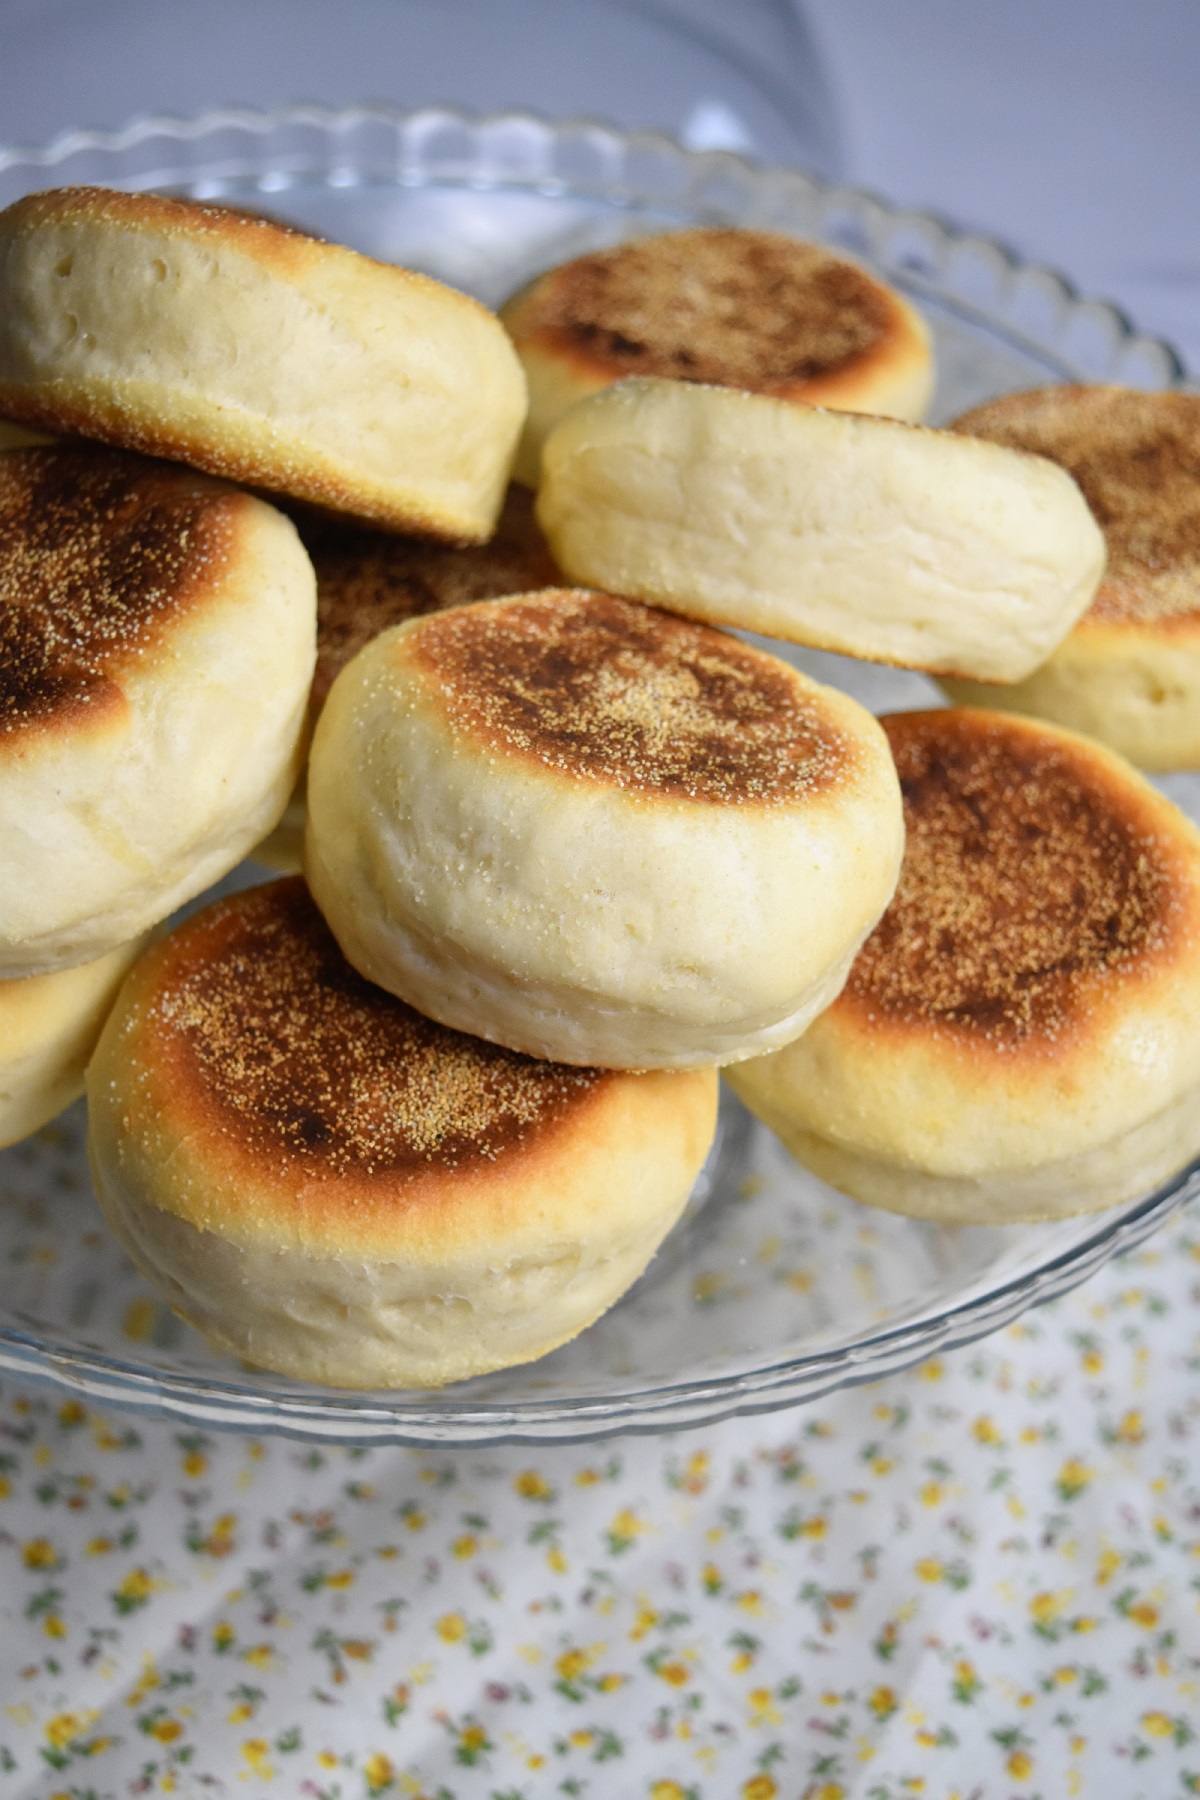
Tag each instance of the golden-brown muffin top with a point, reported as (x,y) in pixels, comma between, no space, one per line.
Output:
(1136,456)
(99,554)
(368,581)
(736,308)
(1035,873)
(624,694)
(262,1030)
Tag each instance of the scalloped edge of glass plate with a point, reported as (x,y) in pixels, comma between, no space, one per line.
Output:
(352,1419)
(348,146)
(980,279)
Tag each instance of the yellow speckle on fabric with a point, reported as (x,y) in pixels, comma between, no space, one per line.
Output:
(977,1579)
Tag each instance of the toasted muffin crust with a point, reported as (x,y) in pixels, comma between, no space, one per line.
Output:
(1032,876)
(99,553)
(328,1184)
(1136,457)
(278,1043)
(622,694)
(367,581)
(748,309)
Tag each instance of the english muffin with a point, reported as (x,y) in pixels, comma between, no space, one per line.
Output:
(368,581)
(594,832)
(225,340)
(1020,1035)
(883,540)
(49,1025)
(731,307)
(1128,672)
(329,1185)
(157,639)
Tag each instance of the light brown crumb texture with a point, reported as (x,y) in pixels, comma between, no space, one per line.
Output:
(1030,880)
(620,693)
(747,309)
(97,552)
(1136,456)
(305,1065)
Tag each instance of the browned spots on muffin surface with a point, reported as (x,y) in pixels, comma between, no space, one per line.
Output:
(620,693)
(1029,877)
(1136,457)
(368,581)
(98,552)
(309,1066)
(746,309)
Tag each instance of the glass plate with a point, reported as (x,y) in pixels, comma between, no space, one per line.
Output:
(774,1289)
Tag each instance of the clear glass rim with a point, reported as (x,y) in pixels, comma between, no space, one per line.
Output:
(352,1417)
(519,150)
(650,163)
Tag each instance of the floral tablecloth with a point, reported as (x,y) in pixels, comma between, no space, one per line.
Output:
(979,1579)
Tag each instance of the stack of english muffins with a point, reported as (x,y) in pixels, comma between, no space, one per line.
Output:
(568,845)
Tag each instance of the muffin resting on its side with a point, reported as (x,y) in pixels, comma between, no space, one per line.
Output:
(1020,1035)
(1128,672)
(754,310)
(596,832)
(157,636)
(222,339)
(331,1186)
(868,536)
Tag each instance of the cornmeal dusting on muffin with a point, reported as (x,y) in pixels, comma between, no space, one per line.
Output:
(368,580)
(1137,459)
(745,309)
(97,551)
(618,692)
(1027,880)
(319,1066)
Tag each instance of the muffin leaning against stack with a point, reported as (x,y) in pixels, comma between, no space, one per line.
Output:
(328,1184)
(1020,1036)
(751,310)
(595,832)
(157,638)
(224,340)
(1129,671)
(156,644)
